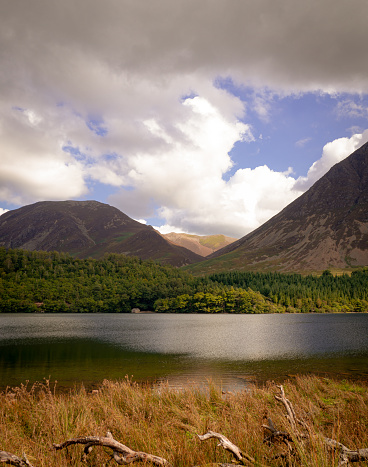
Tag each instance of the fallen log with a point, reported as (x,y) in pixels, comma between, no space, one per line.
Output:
(121,454)
(346,455)
(296,437)
(239,455)
(12,459)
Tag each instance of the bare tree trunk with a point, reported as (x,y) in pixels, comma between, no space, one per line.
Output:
(12,459)
(347,455)
(121,453)
(239,455)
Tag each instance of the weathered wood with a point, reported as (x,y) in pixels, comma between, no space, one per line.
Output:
(347,455)
(239,455)
(274,434)
(121,454)
(294,421)
(12,459)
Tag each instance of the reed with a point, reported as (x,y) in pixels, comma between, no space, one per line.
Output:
(165,422)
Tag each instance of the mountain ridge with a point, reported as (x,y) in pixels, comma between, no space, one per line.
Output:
(326,227)
(203,245)
(86,229)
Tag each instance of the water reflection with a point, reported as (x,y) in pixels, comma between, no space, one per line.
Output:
(231,350)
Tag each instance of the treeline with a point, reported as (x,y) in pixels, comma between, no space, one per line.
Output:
(57,282)
(325,293)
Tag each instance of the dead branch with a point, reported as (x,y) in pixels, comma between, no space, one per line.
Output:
(346,455)
(293,420)
(121,453)
(274,434)
(12,459)
(239,455)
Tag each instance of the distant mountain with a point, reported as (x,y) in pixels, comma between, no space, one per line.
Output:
(87,229)
(326,227)
(202,245)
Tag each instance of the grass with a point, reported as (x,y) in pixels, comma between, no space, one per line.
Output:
(165,422)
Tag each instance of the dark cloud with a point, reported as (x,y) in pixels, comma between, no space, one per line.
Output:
(284,43)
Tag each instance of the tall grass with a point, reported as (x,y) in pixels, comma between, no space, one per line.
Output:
(165,422)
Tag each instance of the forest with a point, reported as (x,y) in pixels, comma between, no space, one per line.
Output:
(52,282)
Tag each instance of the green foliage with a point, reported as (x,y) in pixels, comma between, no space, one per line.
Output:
(55,282)
(326,293)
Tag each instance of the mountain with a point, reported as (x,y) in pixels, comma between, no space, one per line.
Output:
(202,245)
(87,229)
(326,227)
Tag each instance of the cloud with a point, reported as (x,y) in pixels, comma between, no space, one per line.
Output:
(124,93)
(188,170)
(333,152)
(70,49)
(350,108)
(186,182)
(302,142)
(33,164)
(247,200)
(3,211)
(251,196)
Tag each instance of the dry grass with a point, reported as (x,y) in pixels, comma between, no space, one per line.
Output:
(165,422)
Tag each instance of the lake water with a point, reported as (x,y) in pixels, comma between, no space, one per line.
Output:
(231,350)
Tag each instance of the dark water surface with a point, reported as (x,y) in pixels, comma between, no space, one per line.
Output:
(231,350)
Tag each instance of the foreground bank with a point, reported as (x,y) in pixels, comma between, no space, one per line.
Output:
(165,423)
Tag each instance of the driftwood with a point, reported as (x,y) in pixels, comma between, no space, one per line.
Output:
(121,453)
(239,455)
(124,455)
(347,455)
(12,459)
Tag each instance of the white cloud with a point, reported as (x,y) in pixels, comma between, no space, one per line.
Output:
(247,200)
(187,182)
(3,211)
(244,202)
(350,108)
(333,152)
(33,165)
(166,229)
(302,142)
(188,171)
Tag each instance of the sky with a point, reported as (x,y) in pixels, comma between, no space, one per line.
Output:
(196,116)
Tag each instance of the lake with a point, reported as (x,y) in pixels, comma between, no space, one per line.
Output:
(230,350)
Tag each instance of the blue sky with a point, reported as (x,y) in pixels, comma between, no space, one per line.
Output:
(297,128)
(192,116)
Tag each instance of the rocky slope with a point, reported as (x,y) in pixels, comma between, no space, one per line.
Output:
(86,228)
(326,227)
(202,245)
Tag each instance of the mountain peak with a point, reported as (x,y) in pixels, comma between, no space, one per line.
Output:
(326,227)
(86,229)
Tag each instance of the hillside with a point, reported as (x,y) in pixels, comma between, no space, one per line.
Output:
(326,227)
(86,229)
(52,282)
(202,245)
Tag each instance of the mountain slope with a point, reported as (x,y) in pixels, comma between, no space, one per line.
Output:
(86,228)
(325,227)
(202,245)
